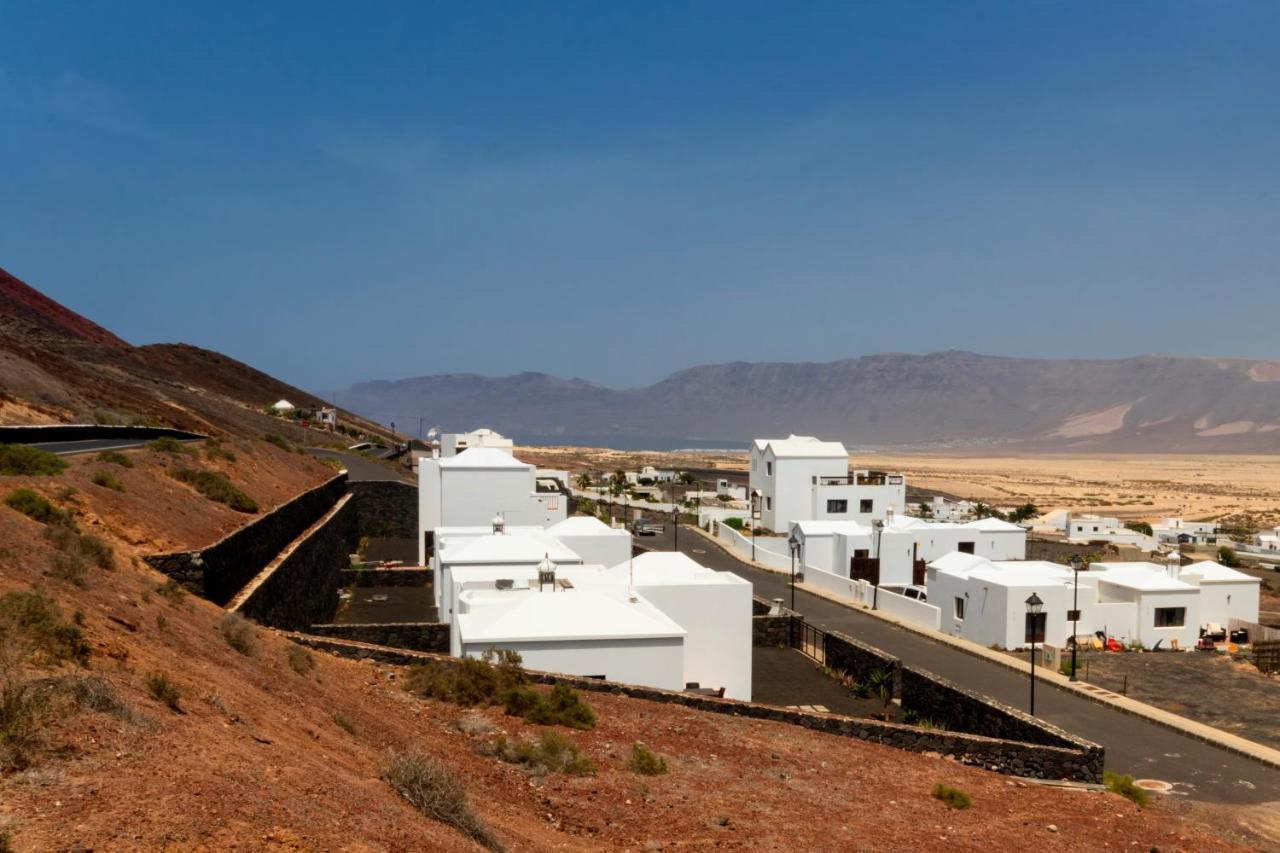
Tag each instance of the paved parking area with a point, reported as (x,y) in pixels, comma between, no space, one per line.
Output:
(785,677)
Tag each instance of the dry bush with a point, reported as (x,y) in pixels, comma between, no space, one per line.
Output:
(436,792)
(300,660)
(115,457)
(344,722)
(239,634)
(107,480)
(552,752)
(20,460)
(36,506)
(953,797)
(646,762)
(163,689)
(215,486)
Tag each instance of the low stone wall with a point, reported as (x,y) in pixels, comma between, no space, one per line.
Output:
(857,659)
(386,508)
(1037,761)
(770,629)
(414,636)
(300,586)
(401,576)
(88,432)
(222,569)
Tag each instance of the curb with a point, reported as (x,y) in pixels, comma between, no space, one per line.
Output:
(1198,731)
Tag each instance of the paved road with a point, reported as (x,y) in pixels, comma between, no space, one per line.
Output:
(93,445)
(1134,746)
(362,468)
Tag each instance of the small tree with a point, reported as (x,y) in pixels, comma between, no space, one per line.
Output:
(926,511)
(1139,527)
(1227,556)
(584,480)
(687,478)
(1022,513)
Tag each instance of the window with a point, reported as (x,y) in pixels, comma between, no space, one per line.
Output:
(965,547)
(1073,615)
(768,468)
(768,503)
(959,607)
(861,554)
(864,505)
(1171,617)
(1095,529)
(837,506)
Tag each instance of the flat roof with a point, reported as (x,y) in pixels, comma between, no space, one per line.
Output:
(483,458)
(530,615)
(826,528)
(507,548)
(803,447)
(668,568)
(584,525)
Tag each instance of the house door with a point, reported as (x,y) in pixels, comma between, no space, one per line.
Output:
(865,569)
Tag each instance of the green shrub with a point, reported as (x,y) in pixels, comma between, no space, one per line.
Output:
(468,682)
(552,752)
(115,457)
(1125,787)
(300,660)
(645,762)
(239,634)
(215,486)
(563,707)
(953,797)
(431,788)
(19,460)
(279,441)
(521,701)
(735,523)
(107,480)
(1227,556)
(36,506)
(168,444)
(163,689)
(32,628)
(68,567)
(85,546)
(214,450)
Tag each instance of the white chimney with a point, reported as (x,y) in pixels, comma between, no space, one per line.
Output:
(499,524)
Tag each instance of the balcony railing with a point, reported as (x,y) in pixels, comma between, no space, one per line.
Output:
(874,478)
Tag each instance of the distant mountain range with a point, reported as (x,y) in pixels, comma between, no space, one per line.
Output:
(942,400)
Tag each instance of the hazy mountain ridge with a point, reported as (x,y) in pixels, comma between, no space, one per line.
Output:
(1146,403)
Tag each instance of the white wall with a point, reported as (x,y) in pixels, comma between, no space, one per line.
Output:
(924,614)
(1221,602)
(1187,635)
(603,549)
(717,617)
(888,496)
(928,544)
(788,492)
(657,662)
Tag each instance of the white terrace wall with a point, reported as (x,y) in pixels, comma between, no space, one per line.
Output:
(908,609)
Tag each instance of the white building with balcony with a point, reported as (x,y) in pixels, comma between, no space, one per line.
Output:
(801,478)
(453,443)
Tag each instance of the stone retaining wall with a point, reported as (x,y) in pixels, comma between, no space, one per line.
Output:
(386,508)
(1002,756)
(403,576)
(300,586)
(767,629)
(857,659)
(222,569)
(413,636)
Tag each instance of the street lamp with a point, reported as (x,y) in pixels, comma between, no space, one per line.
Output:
(794,542)
(1077,564)
(755,502)
(1034,607)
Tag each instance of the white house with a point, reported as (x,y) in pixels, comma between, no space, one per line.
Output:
(469,489)
(453,443)
(1176,531)
(985,600)
(480,553)
(894,552)
(1093,528)
(940,508)
(648,472)
(801,478)
(593,540)
(596,634)
(281,407)
(1268,540)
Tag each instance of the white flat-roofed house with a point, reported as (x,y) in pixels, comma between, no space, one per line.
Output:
(580,632)
(1165,608)
(453,443)
(1225,593)
(469,489)
(714,608)
(1176,531)
(471,553)
(802,478)
(593,540)
(1093,528)
(1268,540)
(945,509)
(985,602)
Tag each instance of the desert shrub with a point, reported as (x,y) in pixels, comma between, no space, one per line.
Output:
(214,450)
(215,486)
(95,549)
(97,694)
(735,523)
(1125,787)
(36,506)
(436,792)
(162,622)
(168,444)
(24,711)
(1227,557)
(521,701)
(563,707)
(163,689)
(67,493)
(645,762)
(239,634)
(468,682)
(473,724)
(115,457)
(69,567)
(107,480)
(21,460)
(552,752)
(279,441)
(80,547)
(300,660)
(953,797)
(344,722)
(6,841)
(32,628)
(172,590)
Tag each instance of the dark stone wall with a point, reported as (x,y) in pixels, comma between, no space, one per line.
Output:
(857,659)
(1002,756)
(386,508)
(221,570)
(767,630)
(408,576)
(415,636)
(302,587)
(87,432)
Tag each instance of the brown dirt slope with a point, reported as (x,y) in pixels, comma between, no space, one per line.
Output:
(260,756)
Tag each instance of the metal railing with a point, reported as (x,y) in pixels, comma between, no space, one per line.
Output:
(810,641)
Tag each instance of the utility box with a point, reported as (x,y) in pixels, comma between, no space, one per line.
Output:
(1051,657)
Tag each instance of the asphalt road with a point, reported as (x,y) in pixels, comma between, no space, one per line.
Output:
(1134,746)
(95,445)
(361,467)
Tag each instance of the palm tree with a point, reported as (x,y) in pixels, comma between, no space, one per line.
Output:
(584,481)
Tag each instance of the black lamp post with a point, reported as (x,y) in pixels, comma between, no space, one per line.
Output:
(795,549)
(1034,607)
(1076,565)
(755,498)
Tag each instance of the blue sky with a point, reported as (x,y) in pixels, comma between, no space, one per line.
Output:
(339,192)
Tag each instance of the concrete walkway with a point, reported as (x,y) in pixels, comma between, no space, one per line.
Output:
(1137,742)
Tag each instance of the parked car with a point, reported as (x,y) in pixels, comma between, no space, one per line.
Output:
(919,593)
(645,527)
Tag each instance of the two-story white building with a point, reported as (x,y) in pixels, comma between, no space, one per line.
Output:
(1177,531)
(801,478)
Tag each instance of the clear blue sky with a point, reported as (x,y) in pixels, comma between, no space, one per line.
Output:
(338,192)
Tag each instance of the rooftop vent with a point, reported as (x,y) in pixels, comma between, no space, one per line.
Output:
(546,573)
(499,524)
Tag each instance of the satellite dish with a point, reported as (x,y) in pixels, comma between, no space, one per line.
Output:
(433,432)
